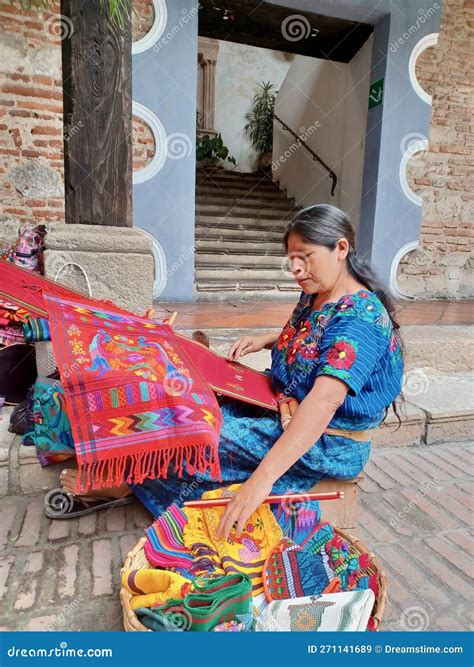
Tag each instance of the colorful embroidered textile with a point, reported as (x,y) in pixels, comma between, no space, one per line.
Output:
(215,601)
(36,328)
(164,546)
(12,313)
(231,378)
(246,552)
(291,572)
(138,407)
(26,250)
(349,567)
(154,587)
(352,339)
(334,612)
(51,433)
(11,335)
(229,626)
(298,520)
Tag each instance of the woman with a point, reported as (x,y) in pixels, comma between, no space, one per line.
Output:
(339,356)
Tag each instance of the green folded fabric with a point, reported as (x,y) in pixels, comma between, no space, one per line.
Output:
(214,601)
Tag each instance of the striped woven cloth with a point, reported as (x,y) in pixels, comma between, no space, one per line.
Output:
(36,329)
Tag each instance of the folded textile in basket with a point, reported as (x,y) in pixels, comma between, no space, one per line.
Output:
(246,552)
(291,572)
(335,612)
(164,546)
(215,601)
(36,329)
(153,587)
(140,406)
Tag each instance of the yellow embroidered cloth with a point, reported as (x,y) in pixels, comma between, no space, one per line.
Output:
(245,553)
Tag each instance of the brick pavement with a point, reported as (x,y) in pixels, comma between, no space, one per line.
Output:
(415,513)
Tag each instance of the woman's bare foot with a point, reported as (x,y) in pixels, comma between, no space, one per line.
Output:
(68,480)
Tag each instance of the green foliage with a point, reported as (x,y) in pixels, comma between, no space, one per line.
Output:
(119,10)
(212,149)
(260,125)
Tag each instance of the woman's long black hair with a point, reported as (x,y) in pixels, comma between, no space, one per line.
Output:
(325,225)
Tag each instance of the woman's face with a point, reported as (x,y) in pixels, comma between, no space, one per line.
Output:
(315,267)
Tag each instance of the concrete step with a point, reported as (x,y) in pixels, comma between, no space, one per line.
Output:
(239,210)
(229,202)
(226,174)
(213,244)
(240,222)
(249,260)
(235,274)
(222,233)
(246,290)
(241,191)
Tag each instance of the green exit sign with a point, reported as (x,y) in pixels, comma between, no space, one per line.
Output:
(376,94)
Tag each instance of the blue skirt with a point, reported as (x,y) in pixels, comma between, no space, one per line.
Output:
(248,433)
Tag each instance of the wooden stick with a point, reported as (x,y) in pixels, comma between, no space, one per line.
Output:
(270,500)
(172,318)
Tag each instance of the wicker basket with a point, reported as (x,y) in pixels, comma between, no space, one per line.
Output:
(136,560)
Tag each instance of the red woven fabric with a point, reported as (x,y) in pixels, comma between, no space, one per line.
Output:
(26,289)
(136,402)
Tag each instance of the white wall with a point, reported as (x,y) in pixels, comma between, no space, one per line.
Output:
(239,70)
(325,102)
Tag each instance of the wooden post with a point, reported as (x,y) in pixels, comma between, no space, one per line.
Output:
(97,94)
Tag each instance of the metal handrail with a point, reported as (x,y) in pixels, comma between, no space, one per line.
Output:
(314,156)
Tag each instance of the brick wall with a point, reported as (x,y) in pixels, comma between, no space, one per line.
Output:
(443,175)
(31,115)
(31,112)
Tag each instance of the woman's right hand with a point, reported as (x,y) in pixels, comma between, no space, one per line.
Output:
(246,345)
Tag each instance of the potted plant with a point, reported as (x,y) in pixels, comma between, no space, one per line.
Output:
(210,151)
(260,125)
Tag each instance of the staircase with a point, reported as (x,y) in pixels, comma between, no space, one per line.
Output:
(240,220)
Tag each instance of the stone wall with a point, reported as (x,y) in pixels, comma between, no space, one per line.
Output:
(31,115)
(443,175)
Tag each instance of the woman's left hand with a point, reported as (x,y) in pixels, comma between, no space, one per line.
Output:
(244,503)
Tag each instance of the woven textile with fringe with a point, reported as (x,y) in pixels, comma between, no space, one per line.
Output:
(138,406)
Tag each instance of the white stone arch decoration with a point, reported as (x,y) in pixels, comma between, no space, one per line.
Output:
(159,136)
(156,30)
(396,290)
(161,270)
(420,46)
(410,145)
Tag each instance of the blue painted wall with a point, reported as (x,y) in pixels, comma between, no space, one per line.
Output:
(165,81)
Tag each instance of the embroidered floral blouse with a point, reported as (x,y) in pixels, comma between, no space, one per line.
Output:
(352,339)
